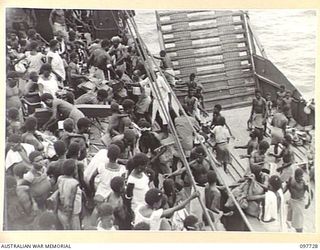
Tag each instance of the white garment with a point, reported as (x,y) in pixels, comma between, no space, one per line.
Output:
(49,85)
(34,61)
(57,64)
(154,220)
(164,94)
(141,187)
(271,211)
(221,134)
(14,157)
(106,175)
(99,157)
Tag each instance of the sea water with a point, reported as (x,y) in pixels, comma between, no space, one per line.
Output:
(288,37)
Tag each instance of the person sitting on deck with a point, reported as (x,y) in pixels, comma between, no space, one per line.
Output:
(298,189)
(258,114)
(197,87)
(60,110)
(287,155)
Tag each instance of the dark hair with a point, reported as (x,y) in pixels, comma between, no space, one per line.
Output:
(33,45)
(83,122)
(53,43)
(13,113)
(143,226)
(45,67)
(105,43)
(46,96)
(153,196)
(113,152)
(69,167)
(218,107)
(275,182)
(221,121)
(127,104)
(73,55)
(68,125)
(120,144)
(190,221)
(212,177)
(257,91)
(33,155)
(117,184)
(73,150)
(59,148)
(30,123)
(168,186)
(102,93)
(140,159)
(264,145)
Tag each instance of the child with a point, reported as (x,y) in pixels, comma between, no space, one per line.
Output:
(108,171)
(152,213)
(70,200)
(106,218)
(222,137)
(30,135)
(191,223)
(257,157)
(37,178)
(55,167)
(68,129)
(297,188)
(14,124)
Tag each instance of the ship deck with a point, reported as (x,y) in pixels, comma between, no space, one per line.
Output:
(237,121)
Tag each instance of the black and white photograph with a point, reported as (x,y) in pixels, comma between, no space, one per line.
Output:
(160,120)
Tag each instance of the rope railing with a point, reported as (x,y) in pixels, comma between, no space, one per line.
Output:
(212,159)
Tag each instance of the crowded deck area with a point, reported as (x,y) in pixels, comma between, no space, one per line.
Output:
(96,139)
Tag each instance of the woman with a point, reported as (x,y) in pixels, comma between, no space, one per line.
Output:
(153,214)
(138,181)
(47,82)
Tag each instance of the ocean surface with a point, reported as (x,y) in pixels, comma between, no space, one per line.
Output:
(288,37)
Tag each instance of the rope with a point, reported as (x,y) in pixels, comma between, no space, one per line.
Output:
(170,122)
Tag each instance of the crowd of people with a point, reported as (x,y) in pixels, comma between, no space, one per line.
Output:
(57,179)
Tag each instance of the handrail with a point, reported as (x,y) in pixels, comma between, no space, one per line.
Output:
(170,122)
(212,159)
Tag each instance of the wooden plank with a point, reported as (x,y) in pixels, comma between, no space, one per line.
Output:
(174,12)
(186,71)
(189,53)
(188,44)
(183,26)
(201,34)
(202,17)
